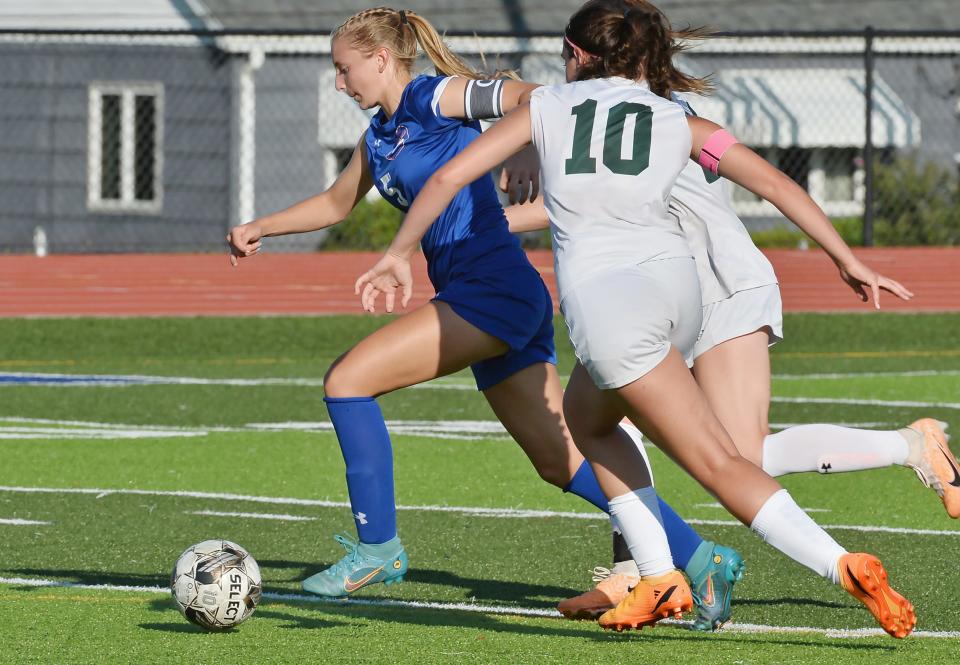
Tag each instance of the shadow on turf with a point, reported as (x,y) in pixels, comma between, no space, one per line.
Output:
(791,602)
(94,577)
(481,622)
(291,621)
(434,617)
(529,595)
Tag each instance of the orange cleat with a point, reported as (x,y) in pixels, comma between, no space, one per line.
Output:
(938,469)
(864,578)
(652,599)
(610,590)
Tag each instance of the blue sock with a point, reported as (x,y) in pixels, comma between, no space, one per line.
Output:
(366,449)
(584,484)
(683,540)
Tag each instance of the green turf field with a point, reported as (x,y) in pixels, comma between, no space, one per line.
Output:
(104,486)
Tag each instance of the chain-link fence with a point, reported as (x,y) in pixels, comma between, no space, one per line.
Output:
(161,141)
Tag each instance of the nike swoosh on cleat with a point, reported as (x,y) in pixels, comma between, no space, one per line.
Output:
(708,599)
(853,578)
(953,467)
(350,585)
(664,598)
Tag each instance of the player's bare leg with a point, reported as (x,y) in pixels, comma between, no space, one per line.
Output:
(431,341)
(593,417)
(530,405)
(427,343)
(735,377)
(667,405)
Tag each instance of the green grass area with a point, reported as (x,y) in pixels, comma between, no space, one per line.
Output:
(517,563)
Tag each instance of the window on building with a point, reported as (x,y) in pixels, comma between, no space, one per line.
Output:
(125,147)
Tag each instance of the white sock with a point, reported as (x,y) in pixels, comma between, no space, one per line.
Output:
(831,449)
(783,524)
(638,516)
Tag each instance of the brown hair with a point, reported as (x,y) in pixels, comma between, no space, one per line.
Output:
(633,39)
(400,32)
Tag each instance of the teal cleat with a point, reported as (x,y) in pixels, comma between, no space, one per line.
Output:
(713,570)
(362,566)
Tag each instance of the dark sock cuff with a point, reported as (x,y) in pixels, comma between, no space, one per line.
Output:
(620,550)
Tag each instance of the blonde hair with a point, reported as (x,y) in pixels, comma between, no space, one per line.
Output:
(401,32)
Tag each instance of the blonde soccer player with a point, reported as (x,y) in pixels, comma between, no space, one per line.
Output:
(491,311)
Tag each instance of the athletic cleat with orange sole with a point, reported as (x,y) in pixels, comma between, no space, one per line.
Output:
(938,469)
(864,578)
(652,599)
(611,588)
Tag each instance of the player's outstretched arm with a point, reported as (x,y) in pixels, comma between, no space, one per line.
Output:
(743,166)
(317,212)
(392,272)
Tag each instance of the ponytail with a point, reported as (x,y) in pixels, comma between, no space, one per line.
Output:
(401,32)
(633,39)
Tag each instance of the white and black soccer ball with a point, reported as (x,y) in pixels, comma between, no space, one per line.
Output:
(216,584)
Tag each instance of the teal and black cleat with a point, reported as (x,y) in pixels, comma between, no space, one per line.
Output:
(362,566)
(713,570)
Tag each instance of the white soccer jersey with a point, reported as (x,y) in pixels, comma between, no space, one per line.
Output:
(727,259)
(610,153)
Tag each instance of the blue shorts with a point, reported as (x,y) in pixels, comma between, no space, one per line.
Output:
(513,305)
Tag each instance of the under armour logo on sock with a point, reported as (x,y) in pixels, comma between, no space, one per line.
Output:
(826,466)
(361,517)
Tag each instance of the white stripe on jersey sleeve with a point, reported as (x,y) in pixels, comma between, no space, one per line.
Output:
(438,91)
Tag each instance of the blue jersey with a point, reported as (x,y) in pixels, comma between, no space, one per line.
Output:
(471,237)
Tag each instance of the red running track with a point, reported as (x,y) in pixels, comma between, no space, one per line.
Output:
(322,283)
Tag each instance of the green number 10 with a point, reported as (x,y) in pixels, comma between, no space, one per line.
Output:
(582,162)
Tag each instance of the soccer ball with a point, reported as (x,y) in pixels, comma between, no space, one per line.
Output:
(216,584)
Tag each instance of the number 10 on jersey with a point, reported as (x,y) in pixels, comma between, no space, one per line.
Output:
(585,113)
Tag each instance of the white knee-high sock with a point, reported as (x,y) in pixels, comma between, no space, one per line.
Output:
(638,516)
(783,524)
(831,449)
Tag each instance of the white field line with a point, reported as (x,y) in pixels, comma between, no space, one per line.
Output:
(864,402)
(482,609)
(126,380)
(441,383)
(92,433)
(18,522)
(129,380)
(513,513)
(87,423)
(444,383)
(830,376)
(863,425)
(256,516)
(468,430)
(717,505)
